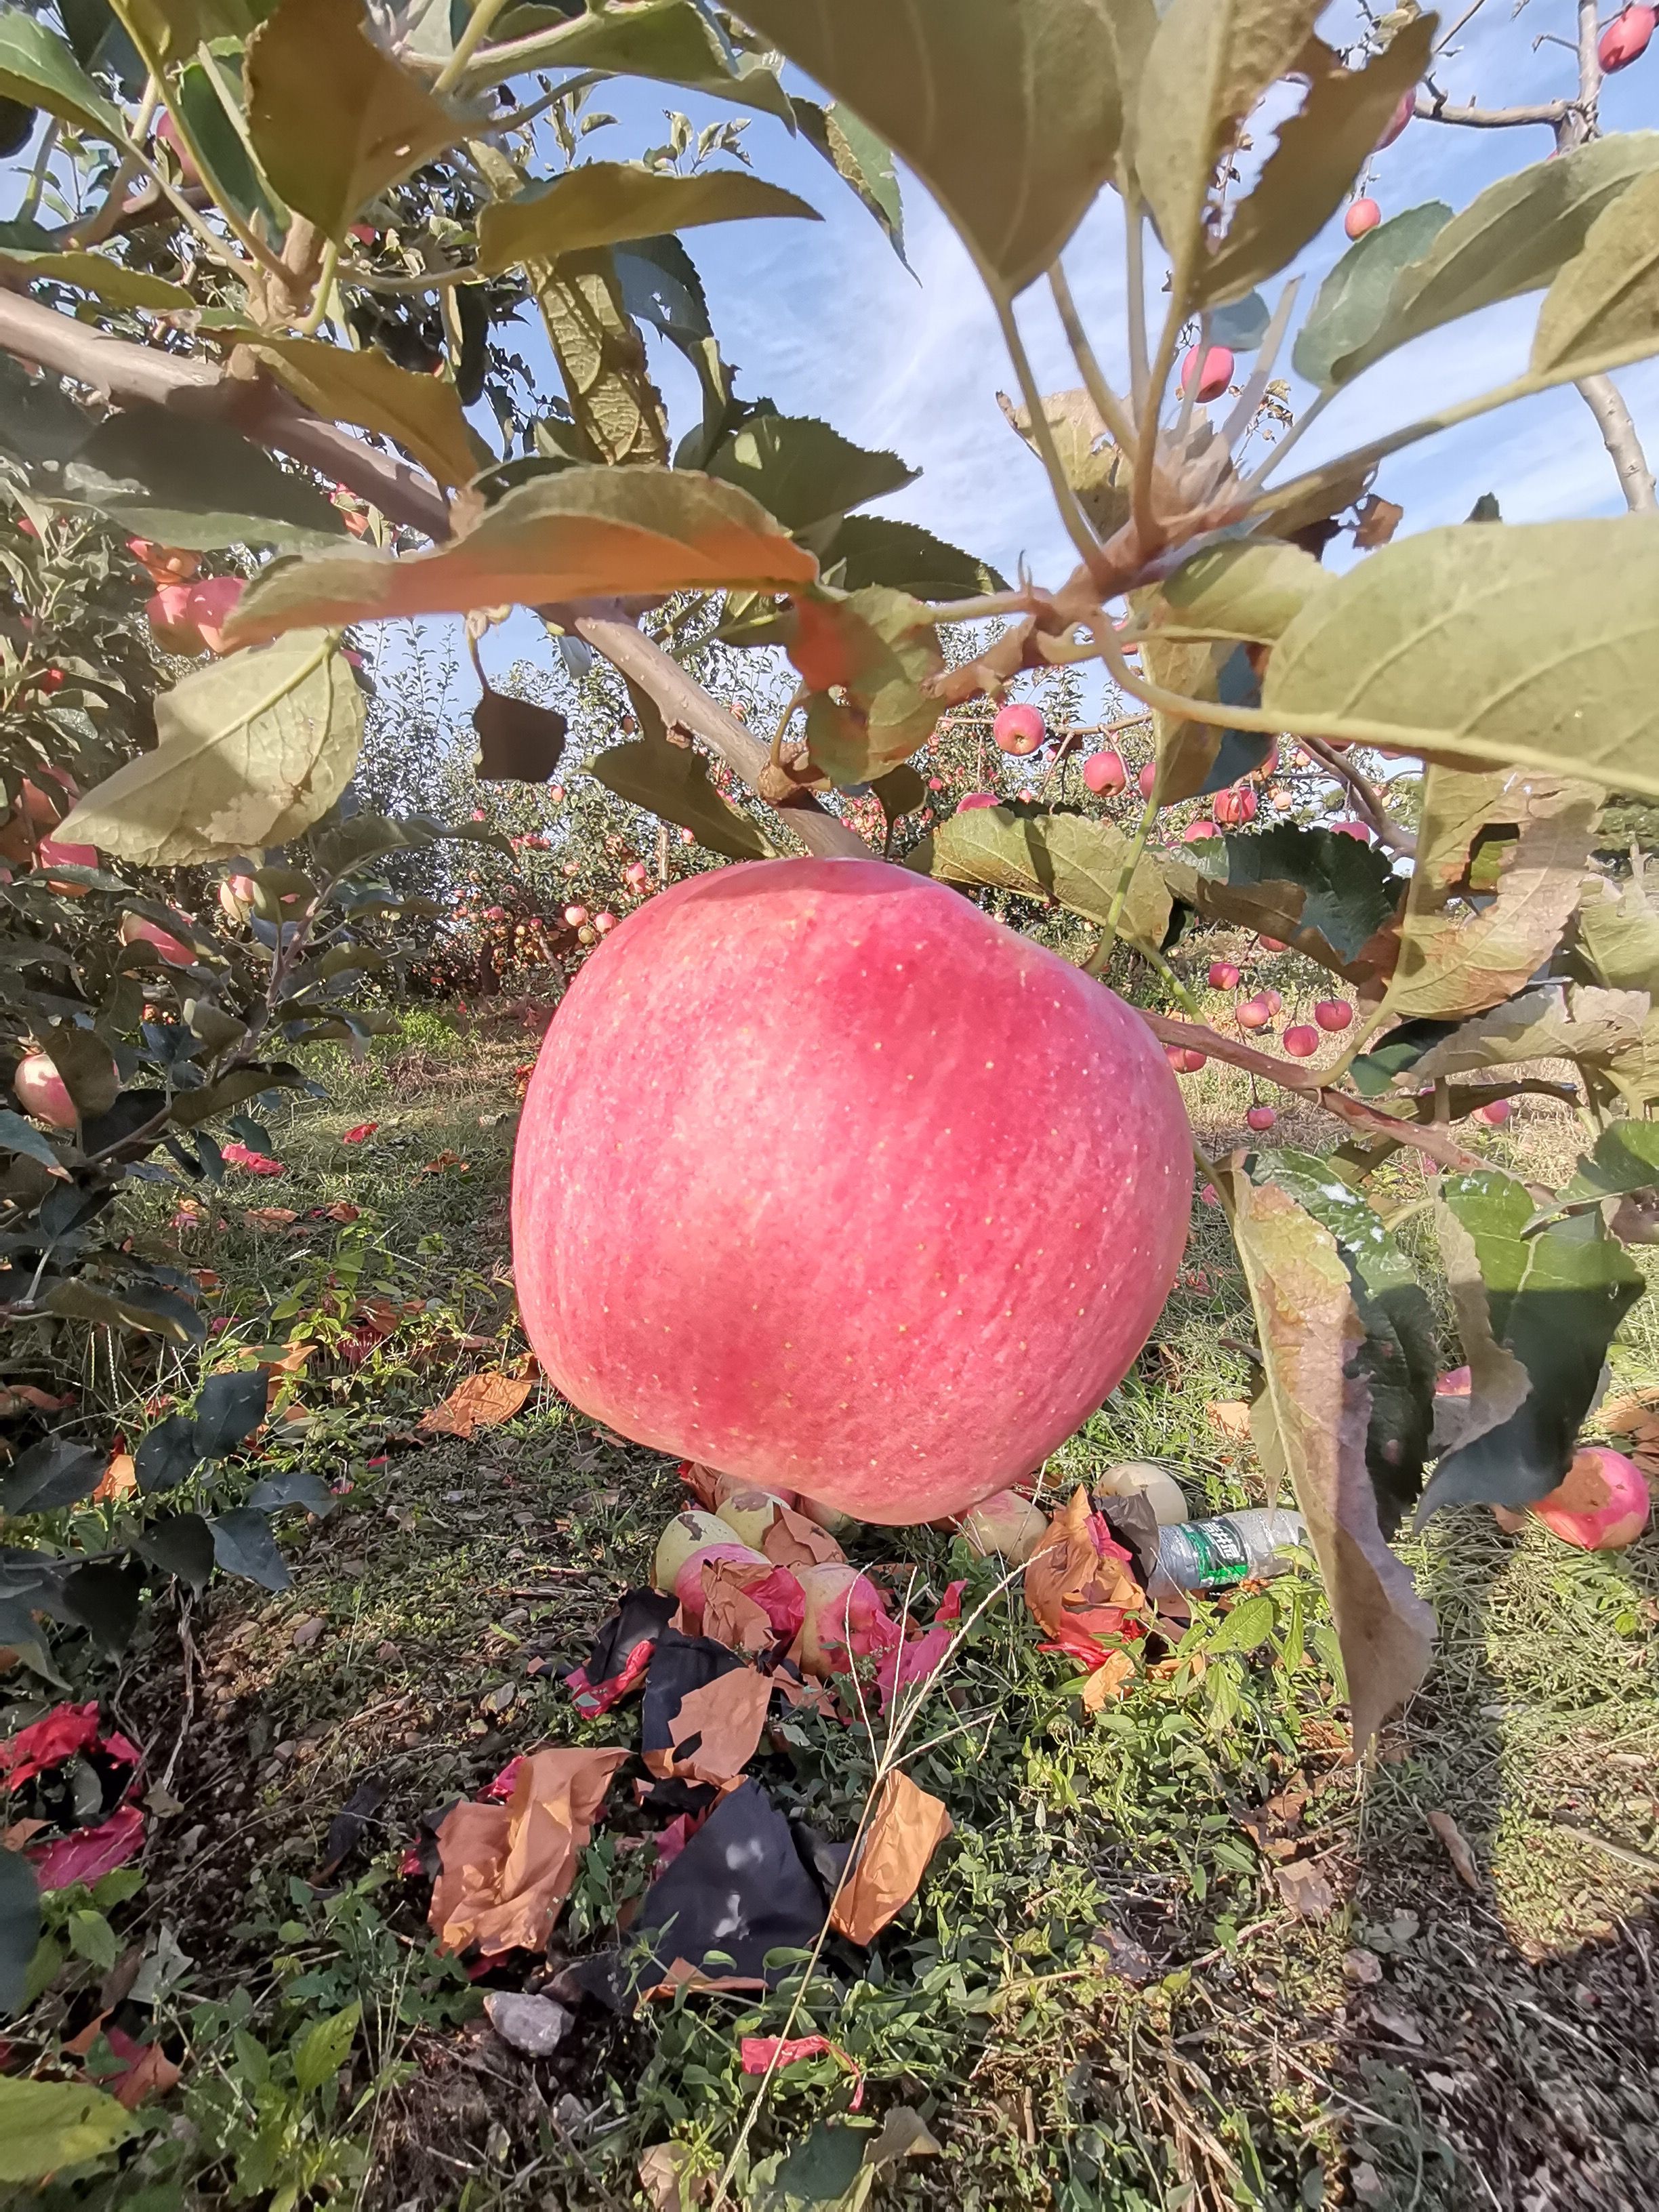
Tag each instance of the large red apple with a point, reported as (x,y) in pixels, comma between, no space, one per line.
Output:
(42,1091)
(828,1180)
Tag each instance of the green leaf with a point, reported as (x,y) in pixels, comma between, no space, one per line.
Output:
(583,534)
(1619,930)
(38,421)
(608,203)
(103,1597)
(187,482)
(672,781)
(422,413)
(869,549)
(220,151)
(82,1059)
(179,1544)
(617,413)
(879,648)
(672,41)
(1309,1332)
(1512,238)
(1399,1357)
(169,31)
(859,159)
(333,117)
(249,751)
(1194,757)
(1245,1628)
(1626,1159)
(1209,61)
(1525,645)
(1352,300)
(1242,324)
(901,792)
(1608,295)
(1096,470)
(92,1938)
(825,2172)
(118,286)
(190,1108)
(244,1546)
(1321,149)
(321,2050)
(47,2126)
(1553,1297)
(229,1409)
(659,286)
(17,1135)
(38,69)
(518,740)
(1009,115)
(294,1486)
(1249,592)
(49,1475)
(20,1930)
(1073,858)
(1462,951)
(159,1313)
(803,471)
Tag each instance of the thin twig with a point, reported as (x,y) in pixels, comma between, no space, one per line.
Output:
(1109,408)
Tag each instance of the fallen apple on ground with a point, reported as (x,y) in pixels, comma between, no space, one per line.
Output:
(1603,1505)
(826,1179)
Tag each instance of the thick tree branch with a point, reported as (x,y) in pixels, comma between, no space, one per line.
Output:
(1431,107)
(1613,418)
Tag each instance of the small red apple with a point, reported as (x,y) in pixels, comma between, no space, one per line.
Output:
(1398,120)
(1213,377)
(1271,944)
(636,875)
(137,930)
(1274,1002)
(1196,833)
(1496,1111)
(1223,977)
(1355,830)
(1104,773)
(51,850)
(1362,215)
(1147,782)
(1603,1505)
(604,923)
(1254,1014)
(977,798)
(1262,1118)
(576,915)
(687,837)
(167,131)
(42,1091)
(1334,1014)
(236,899)
(1301,1042)
(1234,807)
(1625,38)
(1184,1061)
(1018,728)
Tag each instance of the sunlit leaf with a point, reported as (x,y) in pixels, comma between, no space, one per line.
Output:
(1511,239)
(37,70)
(1009,115)
(1608,295)
(333,117)
(617,413)
(802,471)
(1094,467)
(1352,302)
(1245,592)
(1463,949)
(47,2126)
(1309,1332)
(608,203)
(1194,757)
(1209,61)
(167,31)
(422,413)
(249,751)
(1321,149)
(585,533)
(859,158)
(672,41)
(1550,1021)
(1532,645)
(879,648)
(1553,1297)
(1074,859)
(1619,930)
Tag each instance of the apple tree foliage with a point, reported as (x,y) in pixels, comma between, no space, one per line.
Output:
(268,226)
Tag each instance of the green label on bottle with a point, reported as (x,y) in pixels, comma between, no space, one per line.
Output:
(1222,1554)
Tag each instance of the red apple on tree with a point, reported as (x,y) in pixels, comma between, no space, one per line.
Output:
(1334,1014)
(1213,378)
(1262,1118)
(1018,728)
(42,1091)
(1625,38)
(1234,807)
(136,929)
(1104,774)
(1254,1014)
(1147,782)
(703,1295)
(1398,120)
(1301,1042)
(977,798)
(1362,215)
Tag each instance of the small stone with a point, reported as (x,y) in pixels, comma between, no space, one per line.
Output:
(535,2025)
(306,1630)
(1362,1966)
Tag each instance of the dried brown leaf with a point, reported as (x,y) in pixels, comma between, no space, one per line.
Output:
(1457,1849)
(1305,1889)
(482,1402)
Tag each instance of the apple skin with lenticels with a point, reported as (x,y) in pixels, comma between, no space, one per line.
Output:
(828,1180)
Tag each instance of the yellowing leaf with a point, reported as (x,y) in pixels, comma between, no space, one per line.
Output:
(45,2125)
(1608,295)
(1321,149)
(1097,472)
(422,413)
(607,202)
(117,286)
(1527,837)
(333,117)
(1309,1332)
(250,752)
(1248,592)
(1619,930)
(1071,857)
(1512,238)
(1533,645)
(1009,114)
(585,534)
(880,647)
(1209,61)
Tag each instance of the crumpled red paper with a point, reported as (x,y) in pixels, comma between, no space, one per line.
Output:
(756,2053)
(1079,1586)
(89,1853)
(505,1870)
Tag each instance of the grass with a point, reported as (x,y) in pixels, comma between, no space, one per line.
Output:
(1100,2002)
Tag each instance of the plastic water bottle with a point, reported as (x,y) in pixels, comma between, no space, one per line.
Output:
(1233,1547)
